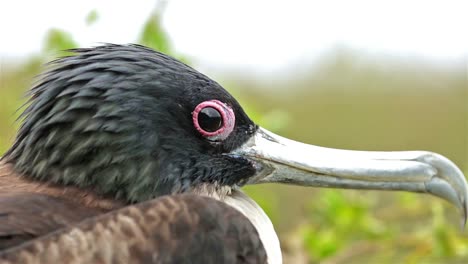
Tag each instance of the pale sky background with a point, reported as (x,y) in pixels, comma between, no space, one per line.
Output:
(256,35)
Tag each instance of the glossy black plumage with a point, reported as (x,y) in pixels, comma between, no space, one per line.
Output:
(117,119)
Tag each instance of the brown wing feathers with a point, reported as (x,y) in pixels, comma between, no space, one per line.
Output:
(41,223)
(25,216)
(171,229)
(31,209)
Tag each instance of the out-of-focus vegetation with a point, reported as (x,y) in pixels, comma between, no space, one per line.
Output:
(348,100)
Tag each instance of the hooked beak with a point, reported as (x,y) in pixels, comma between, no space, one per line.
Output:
(283,160)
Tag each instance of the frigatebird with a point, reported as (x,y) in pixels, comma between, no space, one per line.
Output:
(127,155)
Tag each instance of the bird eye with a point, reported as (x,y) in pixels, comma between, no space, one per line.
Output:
(213,119)
(210,119)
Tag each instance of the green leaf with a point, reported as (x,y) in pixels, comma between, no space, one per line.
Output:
(92,17)
(58,41)
(154,36)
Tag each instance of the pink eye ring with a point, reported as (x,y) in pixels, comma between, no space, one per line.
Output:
(214,120)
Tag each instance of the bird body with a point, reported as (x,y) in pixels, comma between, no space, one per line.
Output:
(126,154)
(29,210)
(170,229)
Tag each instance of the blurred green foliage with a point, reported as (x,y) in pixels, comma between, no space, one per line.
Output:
(57,42)
(347,101)
(92,17)
(154,35)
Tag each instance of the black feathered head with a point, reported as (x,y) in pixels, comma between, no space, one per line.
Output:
(120,119)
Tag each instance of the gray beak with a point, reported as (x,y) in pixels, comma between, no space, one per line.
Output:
(283,160)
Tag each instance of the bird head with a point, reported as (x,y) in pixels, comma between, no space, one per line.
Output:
(133,123)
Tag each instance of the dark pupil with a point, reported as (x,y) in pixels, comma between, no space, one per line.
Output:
(209,119)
